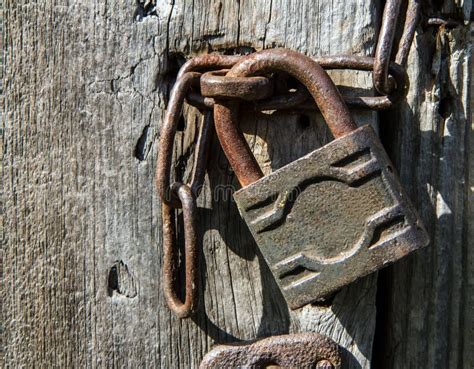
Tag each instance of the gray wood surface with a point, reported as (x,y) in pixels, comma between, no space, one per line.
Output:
(86,84)
(427,300)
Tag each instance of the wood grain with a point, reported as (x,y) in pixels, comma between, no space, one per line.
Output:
(426,300)
(86,84)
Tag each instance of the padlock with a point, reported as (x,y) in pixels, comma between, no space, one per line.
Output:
(332,216)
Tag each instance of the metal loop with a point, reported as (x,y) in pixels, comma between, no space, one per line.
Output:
(170,255)
(181,195)
(202,153)
(187,77)
(208,62)
(308,72)
(166,143)
(217,84)
(411,21)
(300,98)
(297,350)
(167,134)
(365,63)
(383,52)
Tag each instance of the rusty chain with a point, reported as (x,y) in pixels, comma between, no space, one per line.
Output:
(209,82)
(214,85)
(170,253)
(389,76)
(311,74)
(383,53)
(179,195)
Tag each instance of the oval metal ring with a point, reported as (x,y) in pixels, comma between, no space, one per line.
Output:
(362,63)
(384,50)
(170,253)
(365,63)
(217,84)
(297,100)
(384,46)
(167,134)
(207,62)
(325,94)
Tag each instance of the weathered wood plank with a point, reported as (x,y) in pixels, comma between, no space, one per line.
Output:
(426,300)
(86,84)
(86,81)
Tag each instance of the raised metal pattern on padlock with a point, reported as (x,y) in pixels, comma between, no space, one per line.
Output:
(330,217)
(301,350)
(333,216)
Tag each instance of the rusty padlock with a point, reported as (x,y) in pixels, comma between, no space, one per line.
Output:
(330,217)
(299,350)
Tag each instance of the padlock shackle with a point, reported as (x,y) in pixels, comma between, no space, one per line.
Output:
(308,72)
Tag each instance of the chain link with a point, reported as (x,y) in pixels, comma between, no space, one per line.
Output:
(170,253)
(226,87)
(204,80)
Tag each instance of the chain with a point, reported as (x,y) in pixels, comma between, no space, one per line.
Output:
(389,76)
(170,253)
(205,82)
(179,195)
(384,48)
(214,85)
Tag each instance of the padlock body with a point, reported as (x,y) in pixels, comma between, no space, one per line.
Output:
(331,217)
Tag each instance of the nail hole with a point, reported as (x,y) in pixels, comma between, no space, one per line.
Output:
(141,148)
(112,282)
(144,10)
(445,108)
(174,62)
(181,124)
(304,121)
(167,75)
(121,281)
(292,83)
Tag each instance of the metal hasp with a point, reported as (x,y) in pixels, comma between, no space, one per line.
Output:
(302,350)
(331,217)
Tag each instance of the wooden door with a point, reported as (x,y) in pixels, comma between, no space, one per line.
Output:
(86,84)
